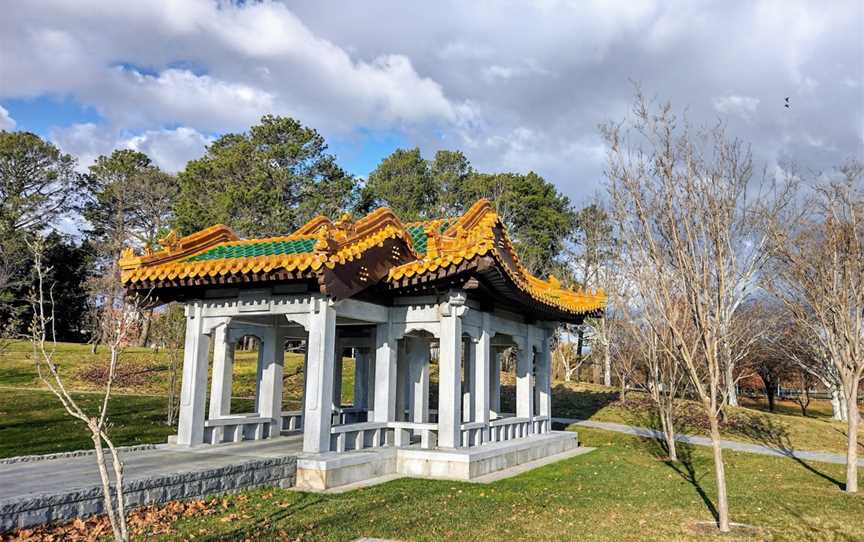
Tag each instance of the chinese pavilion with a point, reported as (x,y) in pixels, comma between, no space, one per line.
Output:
(393,294)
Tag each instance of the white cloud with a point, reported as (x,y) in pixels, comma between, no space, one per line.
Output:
(180,96)
(256,58)
(86,141)
(528,68)
(169,149)
(741,106)
(6,122)
(517,85)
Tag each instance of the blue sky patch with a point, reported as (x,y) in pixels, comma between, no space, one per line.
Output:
(39,115)
(360,152)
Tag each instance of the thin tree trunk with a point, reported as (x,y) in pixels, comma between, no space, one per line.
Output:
(835,405)
(720,475)
(844,408)
(731,391)
(607,365)
(669,433)
(106,485)
(145,328)
(769,391)
(852,443)
(121,497)
(579,339)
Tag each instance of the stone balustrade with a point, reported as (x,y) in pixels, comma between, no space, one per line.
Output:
(541,424)
(236,428)
(403,430)
(357,436)
(472,434)
(504,429)
(292,420)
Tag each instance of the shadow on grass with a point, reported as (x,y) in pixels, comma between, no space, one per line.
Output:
(767,432)
(846,436)
(684,467)
(580,404)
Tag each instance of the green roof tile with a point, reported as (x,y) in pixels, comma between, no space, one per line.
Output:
(418,238)
(265,248)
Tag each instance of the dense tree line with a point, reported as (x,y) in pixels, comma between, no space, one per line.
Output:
(263,182)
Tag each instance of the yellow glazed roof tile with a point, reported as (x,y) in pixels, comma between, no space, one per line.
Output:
(433,245)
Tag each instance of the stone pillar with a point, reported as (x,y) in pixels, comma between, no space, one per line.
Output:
(259,371)
(193,392)
(272,352)
(338,350)
(524,384)
(361,378)
(305,380)
(370,383)
(385,374)
(319,377)
(495,384)
(544,376)
(223,373)
(450,368)
(417,354)
(468,381)
(482,363)
(402,383)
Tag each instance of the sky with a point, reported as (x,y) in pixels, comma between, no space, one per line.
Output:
(516,86)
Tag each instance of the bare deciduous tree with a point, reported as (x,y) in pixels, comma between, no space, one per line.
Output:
(661,375)
(819,275)
(116,324)
(168,333)
(566,354)
(686,212)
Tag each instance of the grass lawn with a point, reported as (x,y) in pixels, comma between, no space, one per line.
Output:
(144,372)
(785,428)
(621,491)
(34,422)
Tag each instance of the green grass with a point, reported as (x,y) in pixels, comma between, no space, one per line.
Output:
(34,422)
(144,372)
(621,491)
(784,429)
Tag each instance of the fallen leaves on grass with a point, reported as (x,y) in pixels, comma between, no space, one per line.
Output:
(145,522)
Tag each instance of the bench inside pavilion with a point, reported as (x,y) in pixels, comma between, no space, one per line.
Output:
(411,303)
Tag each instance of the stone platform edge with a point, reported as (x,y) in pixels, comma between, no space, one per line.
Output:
(58,507)
(77,453)
(322,472)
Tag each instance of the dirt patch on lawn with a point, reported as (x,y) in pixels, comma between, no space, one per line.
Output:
(738,531)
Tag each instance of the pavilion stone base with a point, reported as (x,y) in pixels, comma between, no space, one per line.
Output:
(330,470)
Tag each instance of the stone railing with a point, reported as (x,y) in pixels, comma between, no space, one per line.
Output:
(292,420)
(508,429)
(541,424)
(236,428)
(358,436)
(404,430)
(346,415)
(473,434)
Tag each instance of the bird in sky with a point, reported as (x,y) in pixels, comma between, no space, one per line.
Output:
(787,102)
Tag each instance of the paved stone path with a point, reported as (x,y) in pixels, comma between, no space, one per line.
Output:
(822,457)
(21,480)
